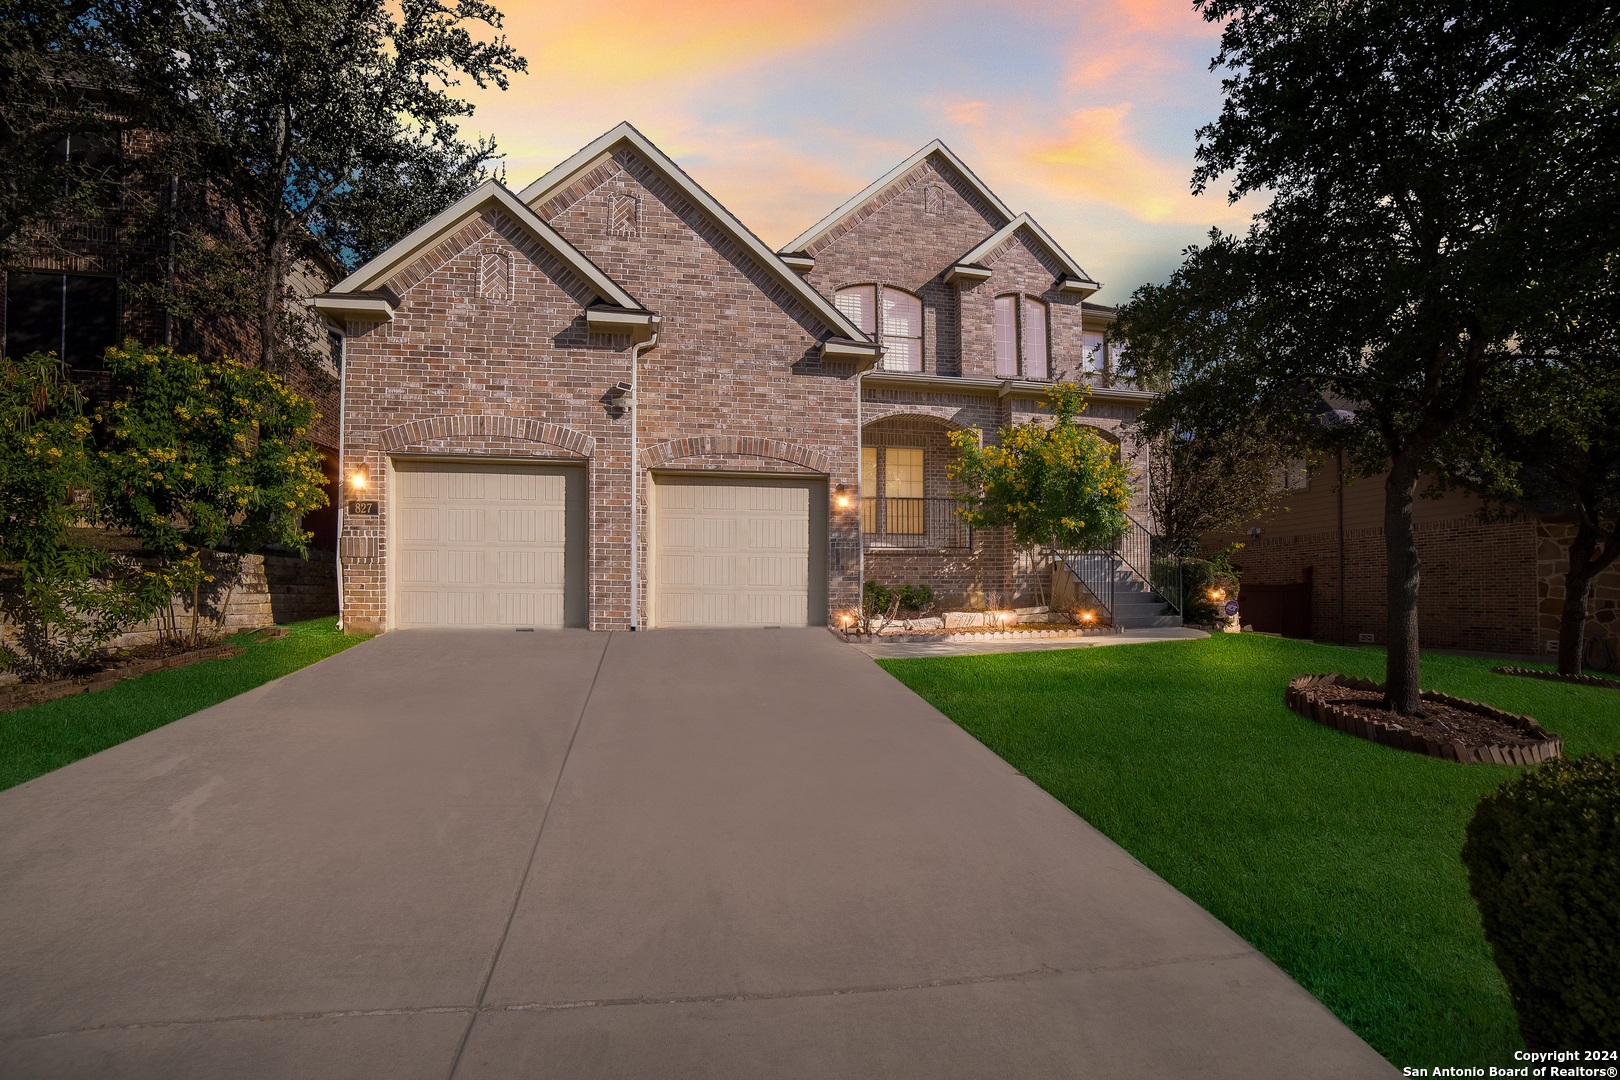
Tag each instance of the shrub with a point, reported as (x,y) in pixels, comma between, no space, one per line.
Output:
(1543,857)
(916,597)
(876,598)
(1200,578)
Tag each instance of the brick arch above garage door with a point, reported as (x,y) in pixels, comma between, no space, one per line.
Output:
(735,446)
(508,427)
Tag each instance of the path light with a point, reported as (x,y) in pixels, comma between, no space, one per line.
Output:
(846,620)
(1086,616)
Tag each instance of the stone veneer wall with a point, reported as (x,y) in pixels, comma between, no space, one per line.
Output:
(1602,609)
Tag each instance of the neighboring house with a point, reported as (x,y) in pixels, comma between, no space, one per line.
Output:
(1318,570)
(68,293)
(604,402)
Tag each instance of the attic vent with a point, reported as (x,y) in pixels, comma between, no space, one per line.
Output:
(933,199)
(495,276)
(624,215)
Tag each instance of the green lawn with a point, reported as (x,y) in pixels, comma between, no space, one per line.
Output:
(1335,857)
(35,740)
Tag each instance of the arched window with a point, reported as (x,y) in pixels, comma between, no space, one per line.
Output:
(1034,339)
(1006,337)
(900,329)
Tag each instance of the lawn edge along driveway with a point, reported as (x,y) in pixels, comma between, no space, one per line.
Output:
(42,738)
(1337,858)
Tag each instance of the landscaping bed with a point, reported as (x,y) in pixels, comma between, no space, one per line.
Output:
(1555,676)
(1450,728)
(108,670)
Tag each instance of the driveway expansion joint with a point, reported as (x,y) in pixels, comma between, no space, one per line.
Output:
(1045,971)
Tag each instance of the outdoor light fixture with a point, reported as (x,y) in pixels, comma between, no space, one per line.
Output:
(1086,617)
(841,496)
(357,480)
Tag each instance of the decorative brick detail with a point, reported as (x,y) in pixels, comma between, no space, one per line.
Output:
(358,548)
(735,445)
(467,424)
(1298,699)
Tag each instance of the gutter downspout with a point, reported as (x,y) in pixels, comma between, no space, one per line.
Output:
(1343,638)
(343,416)
(635,481)
(860,499)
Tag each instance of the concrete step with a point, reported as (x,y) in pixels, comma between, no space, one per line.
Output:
(1145,622)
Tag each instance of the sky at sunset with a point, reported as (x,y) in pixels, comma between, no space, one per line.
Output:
(1080,112)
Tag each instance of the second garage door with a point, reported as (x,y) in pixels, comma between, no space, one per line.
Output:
(736,551)
(488,544)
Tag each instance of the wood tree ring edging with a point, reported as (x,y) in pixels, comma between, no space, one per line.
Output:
(1546,747)
(1553,676)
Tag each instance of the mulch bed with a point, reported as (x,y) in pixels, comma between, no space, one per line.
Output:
(1451,728)
(132,662)
(1553,676)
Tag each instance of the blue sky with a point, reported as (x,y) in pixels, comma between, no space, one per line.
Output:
(1081,113)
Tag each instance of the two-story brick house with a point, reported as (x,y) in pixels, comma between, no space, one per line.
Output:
(604,402)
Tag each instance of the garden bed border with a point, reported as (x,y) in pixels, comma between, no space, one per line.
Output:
(1554,676)
(21,695)
(1340,719)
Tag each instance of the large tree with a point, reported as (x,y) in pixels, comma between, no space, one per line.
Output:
(1434,170)
(307,135)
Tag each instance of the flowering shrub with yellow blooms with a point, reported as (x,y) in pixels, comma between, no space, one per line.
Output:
(200,456)
(61,598)
(1059,485)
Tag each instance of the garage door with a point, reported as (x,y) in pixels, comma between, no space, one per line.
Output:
(487,545)
(740,552)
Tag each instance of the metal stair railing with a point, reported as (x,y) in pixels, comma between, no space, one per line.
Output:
(1137,550)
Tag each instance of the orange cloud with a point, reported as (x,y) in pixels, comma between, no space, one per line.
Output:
(640,40)
(1096,160)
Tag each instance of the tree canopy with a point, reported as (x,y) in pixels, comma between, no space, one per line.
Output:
(1440,174)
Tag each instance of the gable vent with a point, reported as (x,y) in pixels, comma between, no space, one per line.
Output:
(495,276)
(624,215)
(934,199)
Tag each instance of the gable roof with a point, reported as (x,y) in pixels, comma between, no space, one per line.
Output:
(826,224)
(490,192)
(1024,221)
(661,163)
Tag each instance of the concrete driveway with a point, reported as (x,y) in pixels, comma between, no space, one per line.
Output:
(668,854)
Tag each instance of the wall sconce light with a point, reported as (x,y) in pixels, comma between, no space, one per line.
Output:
(841,496)
(1255,531)
(358,480)
(618,399)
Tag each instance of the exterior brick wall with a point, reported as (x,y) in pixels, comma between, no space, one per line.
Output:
(1478,592)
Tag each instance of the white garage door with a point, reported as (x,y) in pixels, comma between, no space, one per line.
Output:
(739,552)
(481,544)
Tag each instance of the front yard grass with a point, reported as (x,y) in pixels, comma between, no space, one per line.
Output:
(40,738)
(1337,858)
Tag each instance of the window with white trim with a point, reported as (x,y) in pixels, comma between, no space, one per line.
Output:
(900,330)
(1093,352)
(1034,317)
(1006,337)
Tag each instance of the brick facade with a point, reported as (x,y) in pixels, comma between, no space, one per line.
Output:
(736,382)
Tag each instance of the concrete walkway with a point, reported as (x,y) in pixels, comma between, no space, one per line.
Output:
(671,854)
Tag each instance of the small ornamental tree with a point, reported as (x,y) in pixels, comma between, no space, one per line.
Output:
(205,458)
(1059,485)
(64,598)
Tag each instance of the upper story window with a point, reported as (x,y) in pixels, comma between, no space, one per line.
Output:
(334,345)
(1034,339)
(901,329)
(1021,334)
(72,315)
(1007,337)
(1094,353)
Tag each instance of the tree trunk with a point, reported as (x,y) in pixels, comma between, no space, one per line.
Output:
(1401,665)
(270,316)
(1584,566)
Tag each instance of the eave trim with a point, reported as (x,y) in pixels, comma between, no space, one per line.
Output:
(1024,221)
(490,191)
(831,221)
(661,163)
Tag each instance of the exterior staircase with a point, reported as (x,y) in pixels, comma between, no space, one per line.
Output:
(1116,578)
